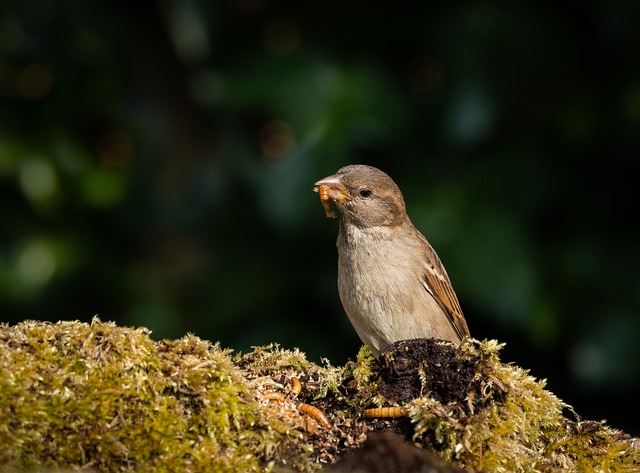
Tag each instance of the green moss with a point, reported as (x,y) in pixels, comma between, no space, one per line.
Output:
(352,384)
(75,395)
(523,428)
(270,359)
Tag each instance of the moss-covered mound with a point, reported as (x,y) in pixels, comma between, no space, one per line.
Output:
(99,395)
(110,398)
(486,415)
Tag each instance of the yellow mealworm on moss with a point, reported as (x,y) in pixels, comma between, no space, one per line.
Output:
(296,386)
(316,414)
(385,412)
(273,397)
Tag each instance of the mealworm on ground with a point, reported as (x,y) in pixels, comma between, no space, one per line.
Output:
(296,386)
(273,397)
(316,414)
(383,412)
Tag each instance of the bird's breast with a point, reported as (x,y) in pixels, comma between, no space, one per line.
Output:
(373,264)
(379,285)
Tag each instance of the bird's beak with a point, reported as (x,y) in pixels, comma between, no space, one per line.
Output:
(337,190)
(332,191)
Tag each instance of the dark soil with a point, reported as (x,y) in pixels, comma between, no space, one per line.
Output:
(387,452)
(413,368)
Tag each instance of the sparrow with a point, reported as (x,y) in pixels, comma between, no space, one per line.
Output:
(391,282)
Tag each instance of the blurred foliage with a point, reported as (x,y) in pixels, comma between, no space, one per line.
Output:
(157,160)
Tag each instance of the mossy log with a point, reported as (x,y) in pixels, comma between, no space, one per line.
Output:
(107,398)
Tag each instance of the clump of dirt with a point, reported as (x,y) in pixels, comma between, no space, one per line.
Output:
(413,368)
(385,452)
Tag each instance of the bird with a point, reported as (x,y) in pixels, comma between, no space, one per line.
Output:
(391,281)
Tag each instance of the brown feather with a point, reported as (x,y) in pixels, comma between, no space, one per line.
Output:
(438,284)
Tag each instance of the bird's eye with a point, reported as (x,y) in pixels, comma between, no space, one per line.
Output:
(365,193)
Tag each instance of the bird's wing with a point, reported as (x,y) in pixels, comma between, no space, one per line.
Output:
(436,281)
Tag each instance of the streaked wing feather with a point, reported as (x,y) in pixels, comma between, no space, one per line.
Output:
(439,286)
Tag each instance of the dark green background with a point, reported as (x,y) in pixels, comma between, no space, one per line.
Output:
(157,162)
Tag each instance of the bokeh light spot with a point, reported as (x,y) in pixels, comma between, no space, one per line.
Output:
(103,188)
(277,139)
(36,264)
(188,30)
(470,116)
(38,180)
(115,148)
(587,362)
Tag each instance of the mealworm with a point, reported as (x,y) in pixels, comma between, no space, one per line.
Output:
(316,414)
(383,412)
(296,386)
(324,191)
(273,397)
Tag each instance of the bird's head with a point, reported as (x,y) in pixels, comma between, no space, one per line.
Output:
(363,195)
